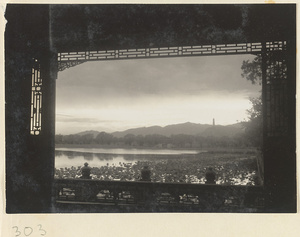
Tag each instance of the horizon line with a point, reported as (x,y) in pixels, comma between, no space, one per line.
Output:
(92,130)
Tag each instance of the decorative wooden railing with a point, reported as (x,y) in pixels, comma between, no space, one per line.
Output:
(154,197)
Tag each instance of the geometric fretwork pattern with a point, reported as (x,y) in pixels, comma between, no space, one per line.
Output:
(36,99)
(65,59)
(69,59)
(65,65)
(276,91)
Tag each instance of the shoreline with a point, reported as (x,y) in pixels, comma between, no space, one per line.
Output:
(209,150)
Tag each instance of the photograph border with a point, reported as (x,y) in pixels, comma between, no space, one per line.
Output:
(178,223)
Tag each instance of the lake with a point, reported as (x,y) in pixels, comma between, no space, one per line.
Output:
(68,157)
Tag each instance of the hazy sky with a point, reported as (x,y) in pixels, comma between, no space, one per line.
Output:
(121,94)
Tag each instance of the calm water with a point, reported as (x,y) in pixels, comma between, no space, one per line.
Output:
(67,157)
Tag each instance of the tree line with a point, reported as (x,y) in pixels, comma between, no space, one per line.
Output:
(157,141)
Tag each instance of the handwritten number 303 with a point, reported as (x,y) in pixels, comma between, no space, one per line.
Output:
(28,231)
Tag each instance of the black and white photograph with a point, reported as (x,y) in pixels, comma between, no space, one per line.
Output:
(149,109)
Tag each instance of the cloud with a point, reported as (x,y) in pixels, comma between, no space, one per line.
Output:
(63,118)
(167,76)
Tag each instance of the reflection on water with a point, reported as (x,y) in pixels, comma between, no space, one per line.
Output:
(97,157)
(122,151)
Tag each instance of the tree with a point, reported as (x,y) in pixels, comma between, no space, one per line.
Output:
(129,139)
(87,138)
(253,127)
(58,139)
(104,138)
(252,70)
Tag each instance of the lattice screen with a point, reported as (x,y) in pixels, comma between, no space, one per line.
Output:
(36,99)
(276,90)
(65,60)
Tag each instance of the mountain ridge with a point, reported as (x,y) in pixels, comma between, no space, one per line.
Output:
(187,128)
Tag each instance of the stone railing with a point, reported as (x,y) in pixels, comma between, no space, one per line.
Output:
(155,197)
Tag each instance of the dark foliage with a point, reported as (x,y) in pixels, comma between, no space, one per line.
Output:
(253,127)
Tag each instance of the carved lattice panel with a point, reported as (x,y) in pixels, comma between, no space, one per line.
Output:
(36,99)
(69,59)
(276,90)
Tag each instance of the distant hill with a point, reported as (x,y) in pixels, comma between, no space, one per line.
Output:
(95,133)
(185,128)
(188,128)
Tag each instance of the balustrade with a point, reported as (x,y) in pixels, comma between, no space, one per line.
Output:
(202,197)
